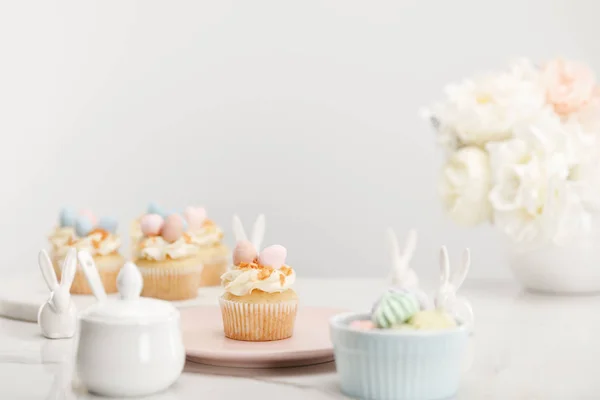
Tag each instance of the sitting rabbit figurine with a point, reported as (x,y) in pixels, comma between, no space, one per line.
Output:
(57,318)
(445,298)
(402,276)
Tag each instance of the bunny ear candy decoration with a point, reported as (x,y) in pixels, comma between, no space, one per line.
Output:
(57,318)
(258,231)
(446,298)
(238,229)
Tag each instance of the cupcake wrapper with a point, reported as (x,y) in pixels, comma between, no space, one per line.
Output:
(256,322)
(213,269)
(179,283)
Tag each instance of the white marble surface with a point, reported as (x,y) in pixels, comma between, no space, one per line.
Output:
(525,347)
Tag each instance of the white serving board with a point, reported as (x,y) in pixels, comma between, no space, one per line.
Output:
(21,297)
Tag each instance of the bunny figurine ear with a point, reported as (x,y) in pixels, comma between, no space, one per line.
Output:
(444,265)
(47,270)
(238,229)
(460,275)
(410,246)
(258,232)
(68,269)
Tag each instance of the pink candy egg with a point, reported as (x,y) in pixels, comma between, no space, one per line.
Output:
(151,224)
(90,216)
(273,256)
(173,228)
(363,325)
(195,217)
(244,252)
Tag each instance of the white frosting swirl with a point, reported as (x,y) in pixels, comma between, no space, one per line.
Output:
(96,243)
(158,249)
(206,236)
(61,236)
(242,281)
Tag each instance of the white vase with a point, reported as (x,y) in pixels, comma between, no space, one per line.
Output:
(553,269)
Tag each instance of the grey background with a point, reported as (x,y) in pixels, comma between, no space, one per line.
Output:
(306,111)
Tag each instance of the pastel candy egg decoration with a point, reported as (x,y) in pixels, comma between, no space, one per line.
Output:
(83,226)
(432,320)
(195,216)
(154,208)
(363,325)
(394,308)
(185,226)
(67,217)
(109,224)
(244,252)
(151,224)
(89,215)
(273,256)
(173,228)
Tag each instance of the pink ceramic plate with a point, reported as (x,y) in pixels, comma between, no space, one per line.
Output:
(205,342)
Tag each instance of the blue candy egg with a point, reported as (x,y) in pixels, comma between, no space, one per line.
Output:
(154,208)
(185,223)
(166,213)
(109,224)
(67,217)
(83,226)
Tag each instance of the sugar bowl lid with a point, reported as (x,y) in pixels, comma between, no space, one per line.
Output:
(129,307)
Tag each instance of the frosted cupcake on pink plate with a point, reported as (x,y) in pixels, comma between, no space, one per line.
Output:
(84,231)
(259,303)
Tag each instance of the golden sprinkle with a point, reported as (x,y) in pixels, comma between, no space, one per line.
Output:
(264,273)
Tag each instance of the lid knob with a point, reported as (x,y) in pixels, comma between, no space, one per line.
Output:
(129,282)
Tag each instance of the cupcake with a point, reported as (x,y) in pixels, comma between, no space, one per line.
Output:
(208,237)
(168,260)
(203,233)
(258,303)
(84,231)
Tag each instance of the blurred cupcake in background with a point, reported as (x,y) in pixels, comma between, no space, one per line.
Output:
(168,260)
(205,234)
(84,231)
(202,232)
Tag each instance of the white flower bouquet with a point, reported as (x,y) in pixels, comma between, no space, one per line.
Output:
(523,150)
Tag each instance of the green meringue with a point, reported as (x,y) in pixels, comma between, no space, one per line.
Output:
(394,308)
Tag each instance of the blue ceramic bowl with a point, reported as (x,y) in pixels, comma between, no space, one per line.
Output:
(397,365)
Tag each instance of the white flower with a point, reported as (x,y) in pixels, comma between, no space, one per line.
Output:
(534,197)
(489,107)
(465,184)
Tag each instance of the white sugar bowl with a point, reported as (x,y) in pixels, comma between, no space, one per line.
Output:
(128,346)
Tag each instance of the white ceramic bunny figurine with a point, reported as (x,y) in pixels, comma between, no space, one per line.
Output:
(258,231)
(57,318)
(402,276)
(446,298)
